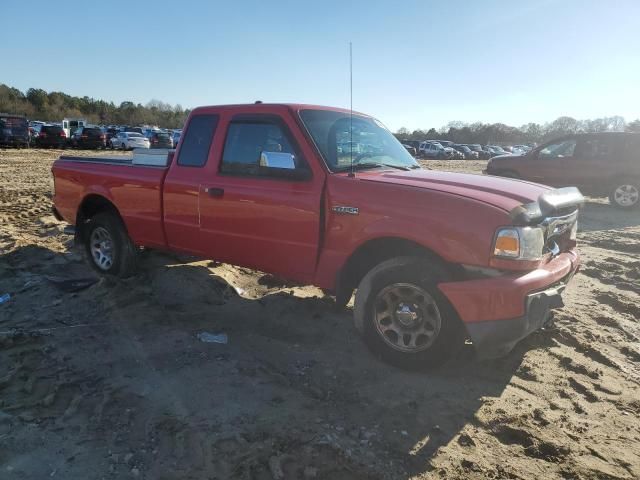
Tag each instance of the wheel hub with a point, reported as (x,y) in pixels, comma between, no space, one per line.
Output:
(101,248)
(406,317)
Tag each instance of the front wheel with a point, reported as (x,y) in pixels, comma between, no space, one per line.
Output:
(625,194)
(109,249)
(402,315)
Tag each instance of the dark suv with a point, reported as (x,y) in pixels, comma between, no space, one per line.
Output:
(160,140)
(89,137)
(51,136)
(599,164)
(14,130)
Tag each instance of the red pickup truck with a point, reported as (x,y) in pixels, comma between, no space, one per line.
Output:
(322,196)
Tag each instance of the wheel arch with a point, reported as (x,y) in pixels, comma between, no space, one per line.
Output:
(374,251)
(91,205)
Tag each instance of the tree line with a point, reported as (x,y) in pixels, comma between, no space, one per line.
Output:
(499,133)
(38,104)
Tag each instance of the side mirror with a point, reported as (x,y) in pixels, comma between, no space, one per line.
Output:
(278,160)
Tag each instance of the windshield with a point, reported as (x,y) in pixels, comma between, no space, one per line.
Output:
(134,135)
(341,138)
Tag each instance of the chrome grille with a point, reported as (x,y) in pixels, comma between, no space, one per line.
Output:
(558,232)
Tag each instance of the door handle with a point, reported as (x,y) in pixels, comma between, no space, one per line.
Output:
(215,191)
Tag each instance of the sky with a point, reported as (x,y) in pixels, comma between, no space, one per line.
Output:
(416,63)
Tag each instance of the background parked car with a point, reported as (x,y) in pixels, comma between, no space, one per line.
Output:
(522,149)
(160,140)
(498,150)
(70,125)
(130,140)
(176,137)
(599,164)
(51,136)
(456,154)
(34,130)
(410,149)
(432,150)
(109,133)
(14,130)
(490,151)
(88,137)
(482,154)
(467,153)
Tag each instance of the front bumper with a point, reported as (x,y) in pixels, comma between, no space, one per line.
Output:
(14,141)
(500,311)
(496,338)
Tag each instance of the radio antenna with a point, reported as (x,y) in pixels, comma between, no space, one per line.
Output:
(352,173)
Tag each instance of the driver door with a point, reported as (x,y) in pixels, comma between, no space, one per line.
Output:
(260,215)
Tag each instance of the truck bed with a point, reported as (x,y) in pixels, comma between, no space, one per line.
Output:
(140,157)
(130,182)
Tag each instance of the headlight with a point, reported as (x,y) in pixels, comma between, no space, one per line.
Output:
(520,243)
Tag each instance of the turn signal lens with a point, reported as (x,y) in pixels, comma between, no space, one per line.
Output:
(507,243)
(522,243)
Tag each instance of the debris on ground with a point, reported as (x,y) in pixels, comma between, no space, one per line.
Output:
(207,337)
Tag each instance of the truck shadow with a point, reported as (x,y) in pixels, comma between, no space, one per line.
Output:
(293,369)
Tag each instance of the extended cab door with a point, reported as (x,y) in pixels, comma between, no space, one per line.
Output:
(261,207)
(181,200)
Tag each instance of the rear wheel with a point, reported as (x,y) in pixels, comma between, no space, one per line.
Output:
(402,315)
(625,194)
(109,249)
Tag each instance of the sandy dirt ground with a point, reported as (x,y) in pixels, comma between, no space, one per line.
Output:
(111,381)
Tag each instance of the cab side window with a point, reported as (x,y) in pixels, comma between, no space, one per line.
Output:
(261,146)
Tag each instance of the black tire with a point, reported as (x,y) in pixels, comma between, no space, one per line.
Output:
(424,275)
(123,251)
(625,194)
(124,147)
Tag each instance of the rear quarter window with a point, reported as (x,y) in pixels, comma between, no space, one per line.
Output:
(196,142)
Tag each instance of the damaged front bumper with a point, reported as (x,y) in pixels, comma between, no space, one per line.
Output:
(496,338)
(500,311)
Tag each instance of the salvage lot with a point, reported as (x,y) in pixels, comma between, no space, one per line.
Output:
(111,381)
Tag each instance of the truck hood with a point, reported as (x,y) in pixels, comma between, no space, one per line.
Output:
(503,193)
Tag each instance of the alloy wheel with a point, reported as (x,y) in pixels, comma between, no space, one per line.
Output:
(101,245)
(406,317)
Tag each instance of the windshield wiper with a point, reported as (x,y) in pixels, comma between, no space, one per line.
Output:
(359,166)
